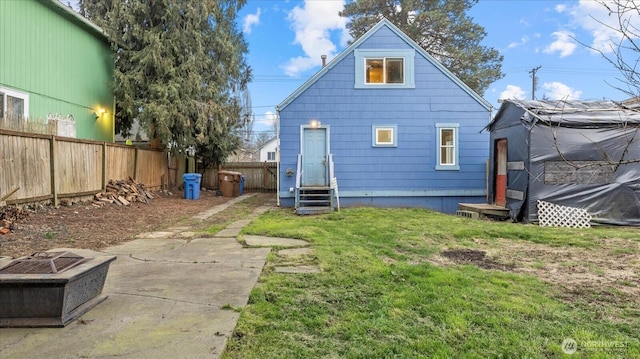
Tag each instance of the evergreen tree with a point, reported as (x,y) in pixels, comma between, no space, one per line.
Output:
(441,27)
(180,70)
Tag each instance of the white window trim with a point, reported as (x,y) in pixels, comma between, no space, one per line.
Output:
(455,166)
(17,94)
(361,55)
(374,135)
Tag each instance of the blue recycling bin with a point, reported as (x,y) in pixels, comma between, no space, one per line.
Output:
(191,185)
(242,184)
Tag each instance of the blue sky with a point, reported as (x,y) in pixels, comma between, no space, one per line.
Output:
(287,38)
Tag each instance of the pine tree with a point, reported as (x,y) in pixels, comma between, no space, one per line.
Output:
(180,69)
(441,27)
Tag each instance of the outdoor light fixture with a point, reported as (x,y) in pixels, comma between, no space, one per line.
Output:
(99,112)
(314,123)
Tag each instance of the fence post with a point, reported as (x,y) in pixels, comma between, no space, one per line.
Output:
(265,179)
(104,166)
(135,164)
(52,170)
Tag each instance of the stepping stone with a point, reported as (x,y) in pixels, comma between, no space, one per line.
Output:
(262,241)
(294,252)
(188,234)
(298,270)
(229,232)
(152,235)
(239,224)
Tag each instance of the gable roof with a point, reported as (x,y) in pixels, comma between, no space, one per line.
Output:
(67,12)
(363,38)
(570,113)
(267,143)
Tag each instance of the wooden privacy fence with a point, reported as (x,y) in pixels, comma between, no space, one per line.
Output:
(36,168)
(259,176)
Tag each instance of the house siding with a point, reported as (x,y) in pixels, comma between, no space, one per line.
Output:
(64,64)
(404,175)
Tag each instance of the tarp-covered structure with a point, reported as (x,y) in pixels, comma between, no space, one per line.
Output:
(571,153)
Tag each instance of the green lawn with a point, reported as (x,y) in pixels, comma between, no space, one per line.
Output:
(385,291)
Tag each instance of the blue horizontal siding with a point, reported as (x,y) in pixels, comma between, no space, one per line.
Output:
(408,168)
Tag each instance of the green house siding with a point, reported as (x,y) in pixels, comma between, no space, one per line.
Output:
(62,62)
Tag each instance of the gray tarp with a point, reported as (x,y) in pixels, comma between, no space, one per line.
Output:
(576,154)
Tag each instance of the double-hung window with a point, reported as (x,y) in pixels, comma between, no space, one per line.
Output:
(271,156)
(14,105)
(448,148)
(384,68)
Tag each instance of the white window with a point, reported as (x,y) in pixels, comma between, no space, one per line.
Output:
(384,68)
(14,105)
(384,136)
(271,156)
(447,151)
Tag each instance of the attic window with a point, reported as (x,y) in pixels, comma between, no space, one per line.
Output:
(386,69)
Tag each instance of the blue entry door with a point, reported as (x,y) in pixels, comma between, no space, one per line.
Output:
(314,157)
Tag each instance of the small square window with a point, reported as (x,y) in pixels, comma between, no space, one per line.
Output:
(384,136)
(271,156)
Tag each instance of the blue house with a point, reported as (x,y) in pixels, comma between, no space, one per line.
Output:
(389,125)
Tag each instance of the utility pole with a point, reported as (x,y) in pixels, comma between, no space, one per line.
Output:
(534,81)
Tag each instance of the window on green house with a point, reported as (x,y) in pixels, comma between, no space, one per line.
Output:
(13,104)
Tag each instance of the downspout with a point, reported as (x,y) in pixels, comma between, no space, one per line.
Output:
(278,156)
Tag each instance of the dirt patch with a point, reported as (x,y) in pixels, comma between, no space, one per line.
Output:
(607,274)
(473,256)
(83,225)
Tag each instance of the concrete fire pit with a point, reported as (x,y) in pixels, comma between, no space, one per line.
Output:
(50,289)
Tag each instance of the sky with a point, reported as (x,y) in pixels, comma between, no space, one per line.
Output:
(286,39)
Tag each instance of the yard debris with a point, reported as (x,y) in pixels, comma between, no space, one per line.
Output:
(123,193)
(8,215)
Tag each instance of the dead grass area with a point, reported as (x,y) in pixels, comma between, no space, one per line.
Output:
(83,225)
(607,274)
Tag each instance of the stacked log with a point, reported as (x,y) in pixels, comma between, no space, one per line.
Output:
(8,215)
(123,193)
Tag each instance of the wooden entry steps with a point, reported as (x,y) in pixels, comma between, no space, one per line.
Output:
(482,210)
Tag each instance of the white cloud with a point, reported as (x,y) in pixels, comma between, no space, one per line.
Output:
(250,21)
(313,24)
(561,8)
(559,91)
(565,44)
(595,18)
(512,92)
(523,40)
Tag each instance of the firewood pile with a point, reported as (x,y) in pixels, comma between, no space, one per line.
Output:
(123,193)
(8,215)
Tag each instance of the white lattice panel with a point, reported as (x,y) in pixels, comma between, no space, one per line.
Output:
(554,215)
